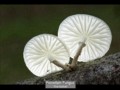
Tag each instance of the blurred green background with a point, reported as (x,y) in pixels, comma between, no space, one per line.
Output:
(19,23)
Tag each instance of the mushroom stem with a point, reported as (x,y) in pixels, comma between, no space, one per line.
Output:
(74,61)
(72,66)
(65,67)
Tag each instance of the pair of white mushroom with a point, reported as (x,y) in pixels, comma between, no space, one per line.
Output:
(46,53)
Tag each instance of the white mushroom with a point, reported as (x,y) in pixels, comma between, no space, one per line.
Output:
(77,28)
(44,53)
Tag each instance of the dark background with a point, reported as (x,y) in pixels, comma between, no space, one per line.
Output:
(19,23)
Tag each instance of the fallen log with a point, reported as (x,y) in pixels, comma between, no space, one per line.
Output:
(105,70)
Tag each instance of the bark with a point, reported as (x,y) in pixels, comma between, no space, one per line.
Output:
(105,70)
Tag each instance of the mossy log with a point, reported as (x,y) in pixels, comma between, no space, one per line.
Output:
(105,70)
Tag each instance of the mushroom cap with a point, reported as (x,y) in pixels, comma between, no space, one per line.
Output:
(77,28)
(41,50)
